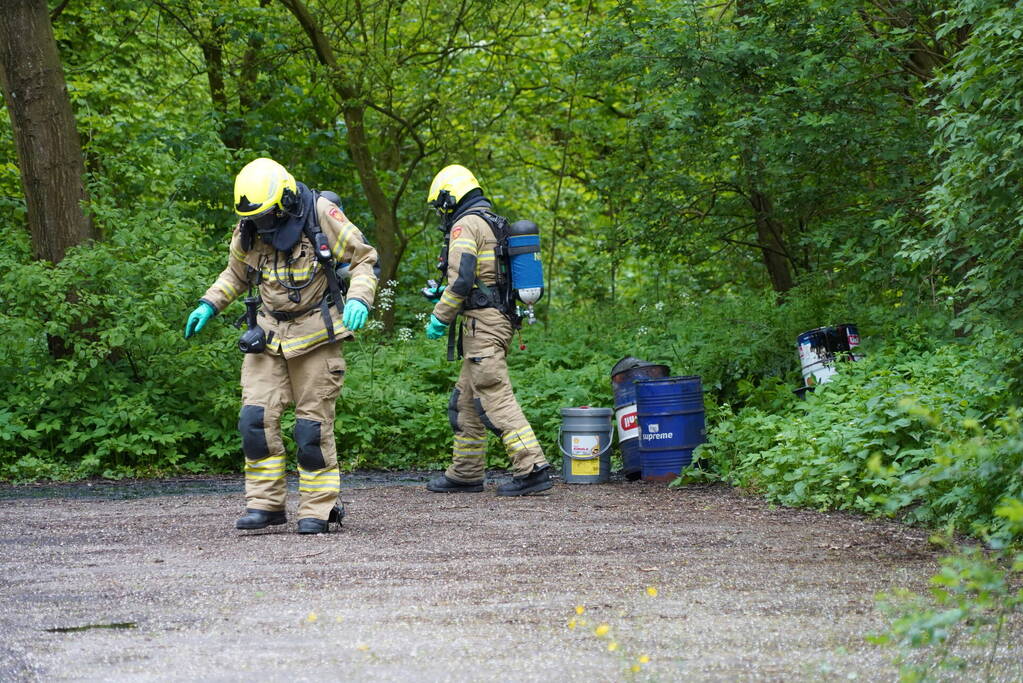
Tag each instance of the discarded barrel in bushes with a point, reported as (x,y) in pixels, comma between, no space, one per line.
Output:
(585,443)
(623,377)
(671,424)
(819,350)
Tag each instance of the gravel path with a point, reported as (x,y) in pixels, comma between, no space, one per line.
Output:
(149,581)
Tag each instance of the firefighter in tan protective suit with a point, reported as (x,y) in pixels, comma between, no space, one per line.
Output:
(483,398)
(286,244)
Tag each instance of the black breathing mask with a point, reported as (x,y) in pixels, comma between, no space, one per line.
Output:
(265,225)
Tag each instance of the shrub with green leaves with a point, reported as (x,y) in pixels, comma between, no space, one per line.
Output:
(922,433)
(971,622)
(99,381)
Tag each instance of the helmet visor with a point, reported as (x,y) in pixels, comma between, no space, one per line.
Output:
(264,222)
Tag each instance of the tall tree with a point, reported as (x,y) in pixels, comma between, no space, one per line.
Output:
(974,211)
(209,26)
(412,80)
(46,137)
(783,127)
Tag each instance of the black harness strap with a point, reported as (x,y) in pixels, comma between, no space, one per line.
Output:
(321,248)
(451,339)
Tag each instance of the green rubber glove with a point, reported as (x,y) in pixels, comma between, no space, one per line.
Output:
(435,329)
(355,315)
(198,319)
(434,294)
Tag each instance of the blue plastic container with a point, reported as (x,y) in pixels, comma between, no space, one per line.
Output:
(623,377)
(671,424)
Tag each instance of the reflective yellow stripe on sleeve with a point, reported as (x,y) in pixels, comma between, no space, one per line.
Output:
(229,291)
(342,241)
(368,279)
(449,298)
(464,243)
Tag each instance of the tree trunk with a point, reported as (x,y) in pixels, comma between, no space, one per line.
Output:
(49,149)
(354,111)
(386,221)
(213,52)
(772,247)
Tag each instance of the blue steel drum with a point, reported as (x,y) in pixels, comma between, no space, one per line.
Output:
(671,424)
(623,377)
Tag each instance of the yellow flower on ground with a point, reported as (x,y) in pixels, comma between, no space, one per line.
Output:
(312,617)
(571,624)
(636,668)
(602,630)
(651,591)
(643,659)
(612,646)
(579,609)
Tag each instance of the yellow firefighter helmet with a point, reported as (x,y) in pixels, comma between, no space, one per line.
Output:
(450,186)
(263,185)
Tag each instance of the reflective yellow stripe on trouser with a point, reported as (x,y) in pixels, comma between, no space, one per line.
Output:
(264,483)
(318,488)
(518,440)
(468,464)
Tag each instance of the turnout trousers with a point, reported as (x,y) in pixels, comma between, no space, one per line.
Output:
(270,383)
(483,399)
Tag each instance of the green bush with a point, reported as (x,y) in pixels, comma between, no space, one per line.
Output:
(125,394)
(922,433)
(969,625)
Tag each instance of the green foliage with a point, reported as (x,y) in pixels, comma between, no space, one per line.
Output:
(974,209)
(969,623)
(789,115)
(127,395)
(919,432)
(650,140)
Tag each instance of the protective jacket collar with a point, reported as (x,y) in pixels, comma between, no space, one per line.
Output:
(470,201)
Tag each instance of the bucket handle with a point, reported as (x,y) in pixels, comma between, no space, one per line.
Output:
(610,434)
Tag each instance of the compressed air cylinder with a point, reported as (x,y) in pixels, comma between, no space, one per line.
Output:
(526,266)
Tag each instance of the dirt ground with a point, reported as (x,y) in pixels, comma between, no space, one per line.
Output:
(150,581)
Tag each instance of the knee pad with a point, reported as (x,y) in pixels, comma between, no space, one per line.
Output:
(252,428)
(453,409)
(307,438)
(485,419)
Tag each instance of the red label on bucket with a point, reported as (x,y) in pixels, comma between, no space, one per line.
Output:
(628,426)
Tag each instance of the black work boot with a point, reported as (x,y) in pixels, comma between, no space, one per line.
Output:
(534,482)
(442,484)
(260,519)
(311,525)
